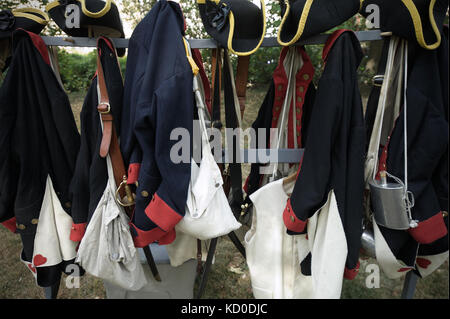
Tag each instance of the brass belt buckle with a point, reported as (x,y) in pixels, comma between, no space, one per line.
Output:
(130,196)
(108,108)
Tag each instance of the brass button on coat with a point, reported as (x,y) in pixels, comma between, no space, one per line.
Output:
(21,226)
(301,89)
(306,76)
(68,204)
(144,194)
(34,221)
(299,99)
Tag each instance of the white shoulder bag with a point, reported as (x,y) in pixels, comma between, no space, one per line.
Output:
(107,250)
(208,213)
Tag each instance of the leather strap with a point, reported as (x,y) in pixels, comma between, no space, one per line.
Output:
(110,145)
(231,119)
(372,103)
(241,80)
(104,109)
(216,88)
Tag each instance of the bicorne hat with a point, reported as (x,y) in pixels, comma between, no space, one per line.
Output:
(238,25)
(97,18)
(415,20)
(29,19)
(304,18)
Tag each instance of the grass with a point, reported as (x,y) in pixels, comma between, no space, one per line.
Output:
(229,277)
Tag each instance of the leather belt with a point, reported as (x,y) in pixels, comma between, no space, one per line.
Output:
(241,79)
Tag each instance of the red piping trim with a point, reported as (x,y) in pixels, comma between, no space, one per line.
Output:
(330,42)
(39,44)
(108,43)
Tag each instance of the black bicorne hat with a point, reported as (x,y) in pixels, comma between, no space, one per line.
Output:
(239,25)
(415,20)
(304,18)
(29,19)
(97,18)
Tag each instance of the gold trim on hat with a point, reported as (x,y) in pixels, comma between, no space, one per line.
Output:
(88,13)
(301,23)
(25,13)
(232,25)
(418,28)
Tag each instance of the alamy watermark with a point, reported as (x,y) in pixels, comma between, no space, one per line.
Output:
(373,277)
(373,17)
(72,15)
(73,277)
(233,151)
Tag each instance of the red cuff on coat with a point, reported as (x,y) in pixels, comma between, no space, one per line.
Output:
(77,231)
(162,214)
(429,230)
(133,173)
(245,188)
(168,238)
(146,237)
(291,221)
(10,224)
(350,274)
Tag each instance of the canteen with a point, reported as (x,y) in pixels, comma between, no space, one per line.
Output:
(389,205)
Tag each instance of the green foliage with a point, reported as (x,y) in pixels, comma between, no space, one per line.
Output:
(12,4)
(262,65)
(134,11)
(77,70)
(264,61)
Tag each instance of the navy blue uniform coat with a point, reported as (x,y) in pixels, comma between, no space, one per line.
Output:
(157,99)
(38,138)
(334,150)
(91,175)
